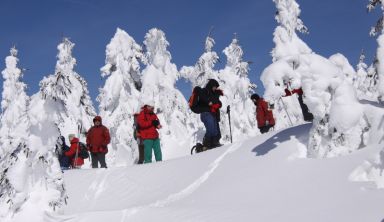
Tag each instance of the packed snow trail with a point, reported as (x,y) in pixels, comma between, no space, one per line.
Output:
(258,179)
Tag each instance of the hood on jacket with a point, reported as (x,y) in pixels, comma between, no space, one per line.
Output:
(98,118)
(211,83)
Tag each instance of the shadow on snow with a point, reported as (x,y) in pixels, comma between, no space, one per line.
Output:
(299,132)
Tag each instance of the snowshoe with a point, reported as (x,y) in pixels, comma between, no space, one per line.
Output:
(198,148)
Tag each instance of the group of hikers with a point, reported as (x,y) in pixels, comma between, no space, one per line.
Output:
(204,101)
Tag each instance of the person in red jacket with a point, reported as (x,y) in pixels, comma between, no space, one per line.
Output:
(98,139)
(73,152)
(307,115)
(149,124)
(264,116)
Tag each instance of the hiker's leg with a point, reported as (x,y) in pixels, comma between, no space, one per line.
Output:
(101,157)
(141,152)
(208,121)
(157,150)
(148,151)
(94,160)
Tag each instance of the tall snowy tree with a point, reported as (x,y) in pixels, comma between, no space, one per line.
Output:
(119,98)
(69,89)
(203,70)
(288,48)
(327,90)
(14,132)
(378,30)
(237,90)
(180,128)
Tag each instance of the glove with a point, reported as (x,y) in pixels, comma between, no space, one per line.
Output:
(155,122)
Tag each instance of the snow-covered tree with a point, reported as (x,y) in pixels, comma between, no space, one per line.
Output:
(378,30)
(237,89)
(288,48)
(159,77)
(119,98)
(14,132)
(285,38)
(327,91)
(203,70)
(342,62)
(69,90)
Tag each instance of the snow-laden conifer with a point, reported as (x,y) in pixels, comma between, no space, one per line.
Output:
(159,77)
(119,98)
(237,87)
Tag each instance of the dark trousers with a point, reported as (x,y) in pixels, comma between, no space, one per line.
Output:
(308,116)
(210,123)
(141,153)
(265,129)
(96,158)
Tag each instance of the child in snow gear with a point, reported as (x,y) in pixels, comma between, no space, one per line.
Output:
(308,116)
(137,136)
(264,116)
(73,153)
(98,139)
(61,148)
(149,124)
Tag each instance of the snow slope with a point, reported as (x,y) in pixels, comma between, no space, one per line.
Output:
(260,179)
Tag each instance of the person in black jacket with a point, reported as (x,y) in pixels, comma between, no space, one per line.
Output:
(210,105)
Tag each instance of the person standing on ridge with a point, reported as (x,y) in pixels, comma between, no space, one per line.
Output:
(210,105)
(98,139)
(264,116)
(149,124)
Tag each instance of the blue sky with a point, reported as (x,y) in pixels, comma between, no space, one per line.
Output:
(37,27)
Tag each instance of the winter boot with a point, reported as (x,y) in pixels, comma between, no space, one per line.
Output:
(207,143)
(216,142)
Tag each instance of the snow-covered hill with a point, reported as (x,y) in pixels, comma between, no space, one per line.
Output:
(260,179)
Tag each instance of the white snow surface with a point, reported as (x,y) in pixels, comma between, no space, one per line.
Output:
(262,178)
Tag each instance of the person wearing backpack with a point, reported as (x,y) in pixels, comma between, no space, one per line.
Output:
(74,152)
(264,116)
(61,148)
(209,105)
(149,124)
(137,136)
(98,139)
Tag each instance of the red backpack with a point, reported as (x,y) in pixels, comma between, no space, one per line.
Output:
(193,101)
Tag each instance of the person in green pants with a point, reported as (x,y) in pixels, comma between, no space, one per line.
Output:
(149,124)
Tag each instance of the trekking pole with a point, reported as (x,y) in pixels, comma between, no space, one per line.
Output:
(77,148)
(229,119)
(289,118)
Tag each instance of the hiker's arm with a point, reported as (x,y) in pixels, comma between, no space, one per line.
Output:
(107,136)
(72,150)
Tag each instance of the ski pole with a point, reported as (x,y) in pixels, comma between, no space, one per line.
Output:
(77,148)
(289,118)
(229,120)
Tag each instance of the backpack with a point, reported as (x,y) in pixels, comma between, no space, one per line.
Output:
(83,152)
(194,100)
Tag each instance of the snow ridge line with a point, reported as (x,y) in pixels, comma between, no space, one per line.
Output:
(186,191)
